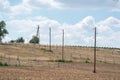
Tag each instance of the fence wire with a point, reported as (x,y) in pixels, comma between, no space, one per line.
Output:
(40,55)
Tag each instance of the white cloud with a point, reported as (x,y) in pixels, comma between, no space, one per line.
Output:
(20,9)
(4,6)
(22,25)
(112,20)
(26,6)
(115,36)
(109,25)
(78,33)
(43,3)
(117,6)
(81,33)
(91,4)
(1,17)
(27,27)
(104,28)
(80,4)
(108,32)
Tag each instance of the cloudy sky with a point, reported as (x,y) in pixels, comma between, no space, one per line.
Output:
(77,17)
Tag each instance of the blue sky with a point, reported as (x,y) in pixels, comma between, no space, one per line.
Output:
(77,17)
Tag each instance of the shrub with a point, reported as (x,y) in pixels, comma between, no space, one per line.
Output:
(34,40)
(87,60)
(45,50)
(3,64)
(20,40)
(61,60)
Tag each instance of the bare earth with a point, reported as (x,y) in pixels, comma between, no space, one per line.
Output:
(34,63)
(66,71)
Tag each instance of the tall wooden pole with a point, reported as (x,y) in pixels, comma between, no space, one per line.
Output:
(95,51)
(63,44)
(50,38)
(39,37)
(38,34)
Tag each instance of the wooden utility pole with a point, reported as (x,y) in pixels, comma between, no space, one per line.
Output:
(38,33)
(95,51)
(63,44)
(50,39)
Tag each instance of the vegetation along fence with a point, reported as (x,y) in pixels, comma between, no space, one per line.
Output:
(40,55)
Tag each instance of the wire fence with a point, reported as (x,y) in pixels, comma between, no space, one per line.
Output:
(40,55)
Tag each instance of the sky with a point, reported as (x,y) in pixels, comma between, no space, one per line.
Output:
(78,18)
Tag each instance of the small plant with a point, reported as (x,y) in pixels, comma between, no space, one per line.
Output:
(61,60)
(87,60)
(45,50)
(3,64)
(50,51)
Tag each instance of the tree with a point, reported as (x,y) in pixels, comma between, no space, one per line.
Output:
(20,40)
(3,30)
(34,39)
(12,41)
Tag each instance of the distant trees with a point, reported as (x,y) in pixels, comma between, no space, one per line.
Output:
(12,41)
(19,40)
(3,30)
(34,39)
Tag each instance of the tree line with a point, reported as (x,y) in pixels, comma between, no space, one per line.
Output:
(4,32)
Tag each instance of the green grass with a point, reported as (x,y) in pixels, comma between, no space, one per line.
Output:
(60,60)
(104,62)
(87,60)
(46,50)
(3,64)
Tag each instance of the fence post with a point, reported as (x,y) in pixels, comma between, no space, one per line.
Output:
(63,44)
(50,39)
(95,51)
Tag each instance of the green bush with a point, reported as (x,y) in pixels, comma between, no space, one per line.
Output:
(3,64)
(87,60)
(20,40)
(60,60)
(34,39)
(45,50)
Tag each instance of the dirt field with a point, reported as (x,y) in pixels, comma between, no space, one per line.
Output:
(34,63)
(66,71)
(41,52)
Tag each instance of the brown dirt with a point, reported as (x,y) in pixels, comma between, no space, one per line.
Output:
(108,63)
(80,54)
(66,71)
